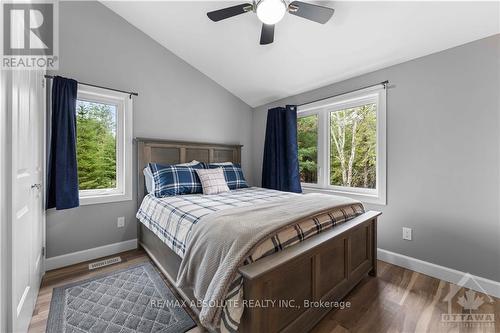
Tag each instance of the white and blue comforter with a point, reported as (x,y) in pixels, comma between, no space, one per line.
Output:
(172,218)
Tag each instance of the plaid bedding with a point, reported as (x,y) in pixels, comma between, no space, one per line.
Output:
(172,218)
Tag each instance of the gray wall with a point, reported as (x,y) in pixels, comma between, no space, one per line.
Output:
(443,155)
(175,101)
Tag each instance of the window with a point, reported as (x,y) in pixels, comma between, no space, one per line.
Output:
(342,145)
(103,145)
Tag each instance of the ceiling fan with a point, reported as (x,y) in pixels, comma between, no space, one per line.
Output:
(271,12)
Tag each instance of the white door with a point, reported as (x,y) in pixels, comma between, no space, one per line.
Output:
(28,108)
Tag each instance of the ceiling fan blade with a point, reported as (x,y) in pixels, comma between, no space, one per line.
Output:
(228,12)
(311,12)
(267,34)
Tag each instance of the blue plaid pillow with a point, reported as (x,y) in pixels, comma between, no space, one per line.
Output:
(175,179)
(232,173)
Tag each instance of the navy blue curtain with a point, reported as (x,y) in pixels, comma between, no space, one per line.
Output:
(62,169)
(280,169)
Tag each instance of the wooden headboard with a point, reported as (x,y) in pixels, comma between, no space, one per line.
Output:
(173,152)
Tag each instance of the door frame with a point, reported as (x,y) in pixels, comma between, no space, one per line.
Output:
(46,114)
(4,203)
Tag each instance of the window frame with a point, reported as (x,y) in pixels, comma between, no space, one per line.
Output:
(322,109)
(123,103)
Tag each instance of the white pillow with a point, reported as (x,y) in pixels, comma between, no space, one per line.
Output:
(212,180)
(149,180)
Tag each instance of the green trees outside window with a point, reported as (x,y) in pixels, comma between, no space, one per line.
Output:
(353,152)
(307,137)
(96,145)
(353,140)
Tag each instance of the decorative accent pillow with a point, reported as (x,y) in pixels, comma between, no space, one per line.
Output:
(212,181)
(232,173)
(175,179)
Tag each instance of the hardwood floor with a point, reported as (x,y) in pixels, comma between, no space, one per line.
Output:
(398,300)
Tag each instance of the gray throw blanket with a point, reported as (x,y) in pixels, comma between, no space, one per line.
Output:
(220,242)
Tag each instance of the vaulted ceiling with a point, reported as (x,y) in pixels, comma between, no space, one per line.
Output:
(361,37)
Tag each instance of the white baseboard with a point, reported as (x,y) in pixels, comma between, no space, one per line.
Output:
(89,254)
(467,280)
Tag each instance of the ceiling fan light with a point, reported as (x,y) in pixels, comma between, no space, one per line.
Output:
(271,11)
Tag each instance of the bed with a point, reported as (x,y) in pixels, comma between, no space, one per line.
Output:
(324,266)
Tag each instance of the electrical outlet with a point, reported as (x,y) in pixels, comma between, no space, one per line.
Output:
(407,233)
(120,223)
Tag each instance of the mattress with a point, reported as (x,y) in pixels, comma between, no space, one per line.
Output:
(172,218)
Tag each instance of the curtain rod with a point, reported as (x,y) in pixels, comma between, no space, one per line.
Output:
(384,83)
(130,93)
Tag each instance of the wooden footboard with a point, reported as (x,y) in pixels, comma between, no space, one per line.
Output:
(324,268)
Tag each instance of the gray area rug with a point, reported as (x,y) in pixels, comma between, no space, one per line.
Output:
(135,299)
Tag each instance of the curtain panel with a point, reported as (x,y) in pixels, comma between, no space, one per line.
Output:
(62,179)
(280,169)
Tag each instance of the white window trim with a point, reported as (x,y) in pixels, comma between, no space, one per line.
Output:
(322,109)
(123,102)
